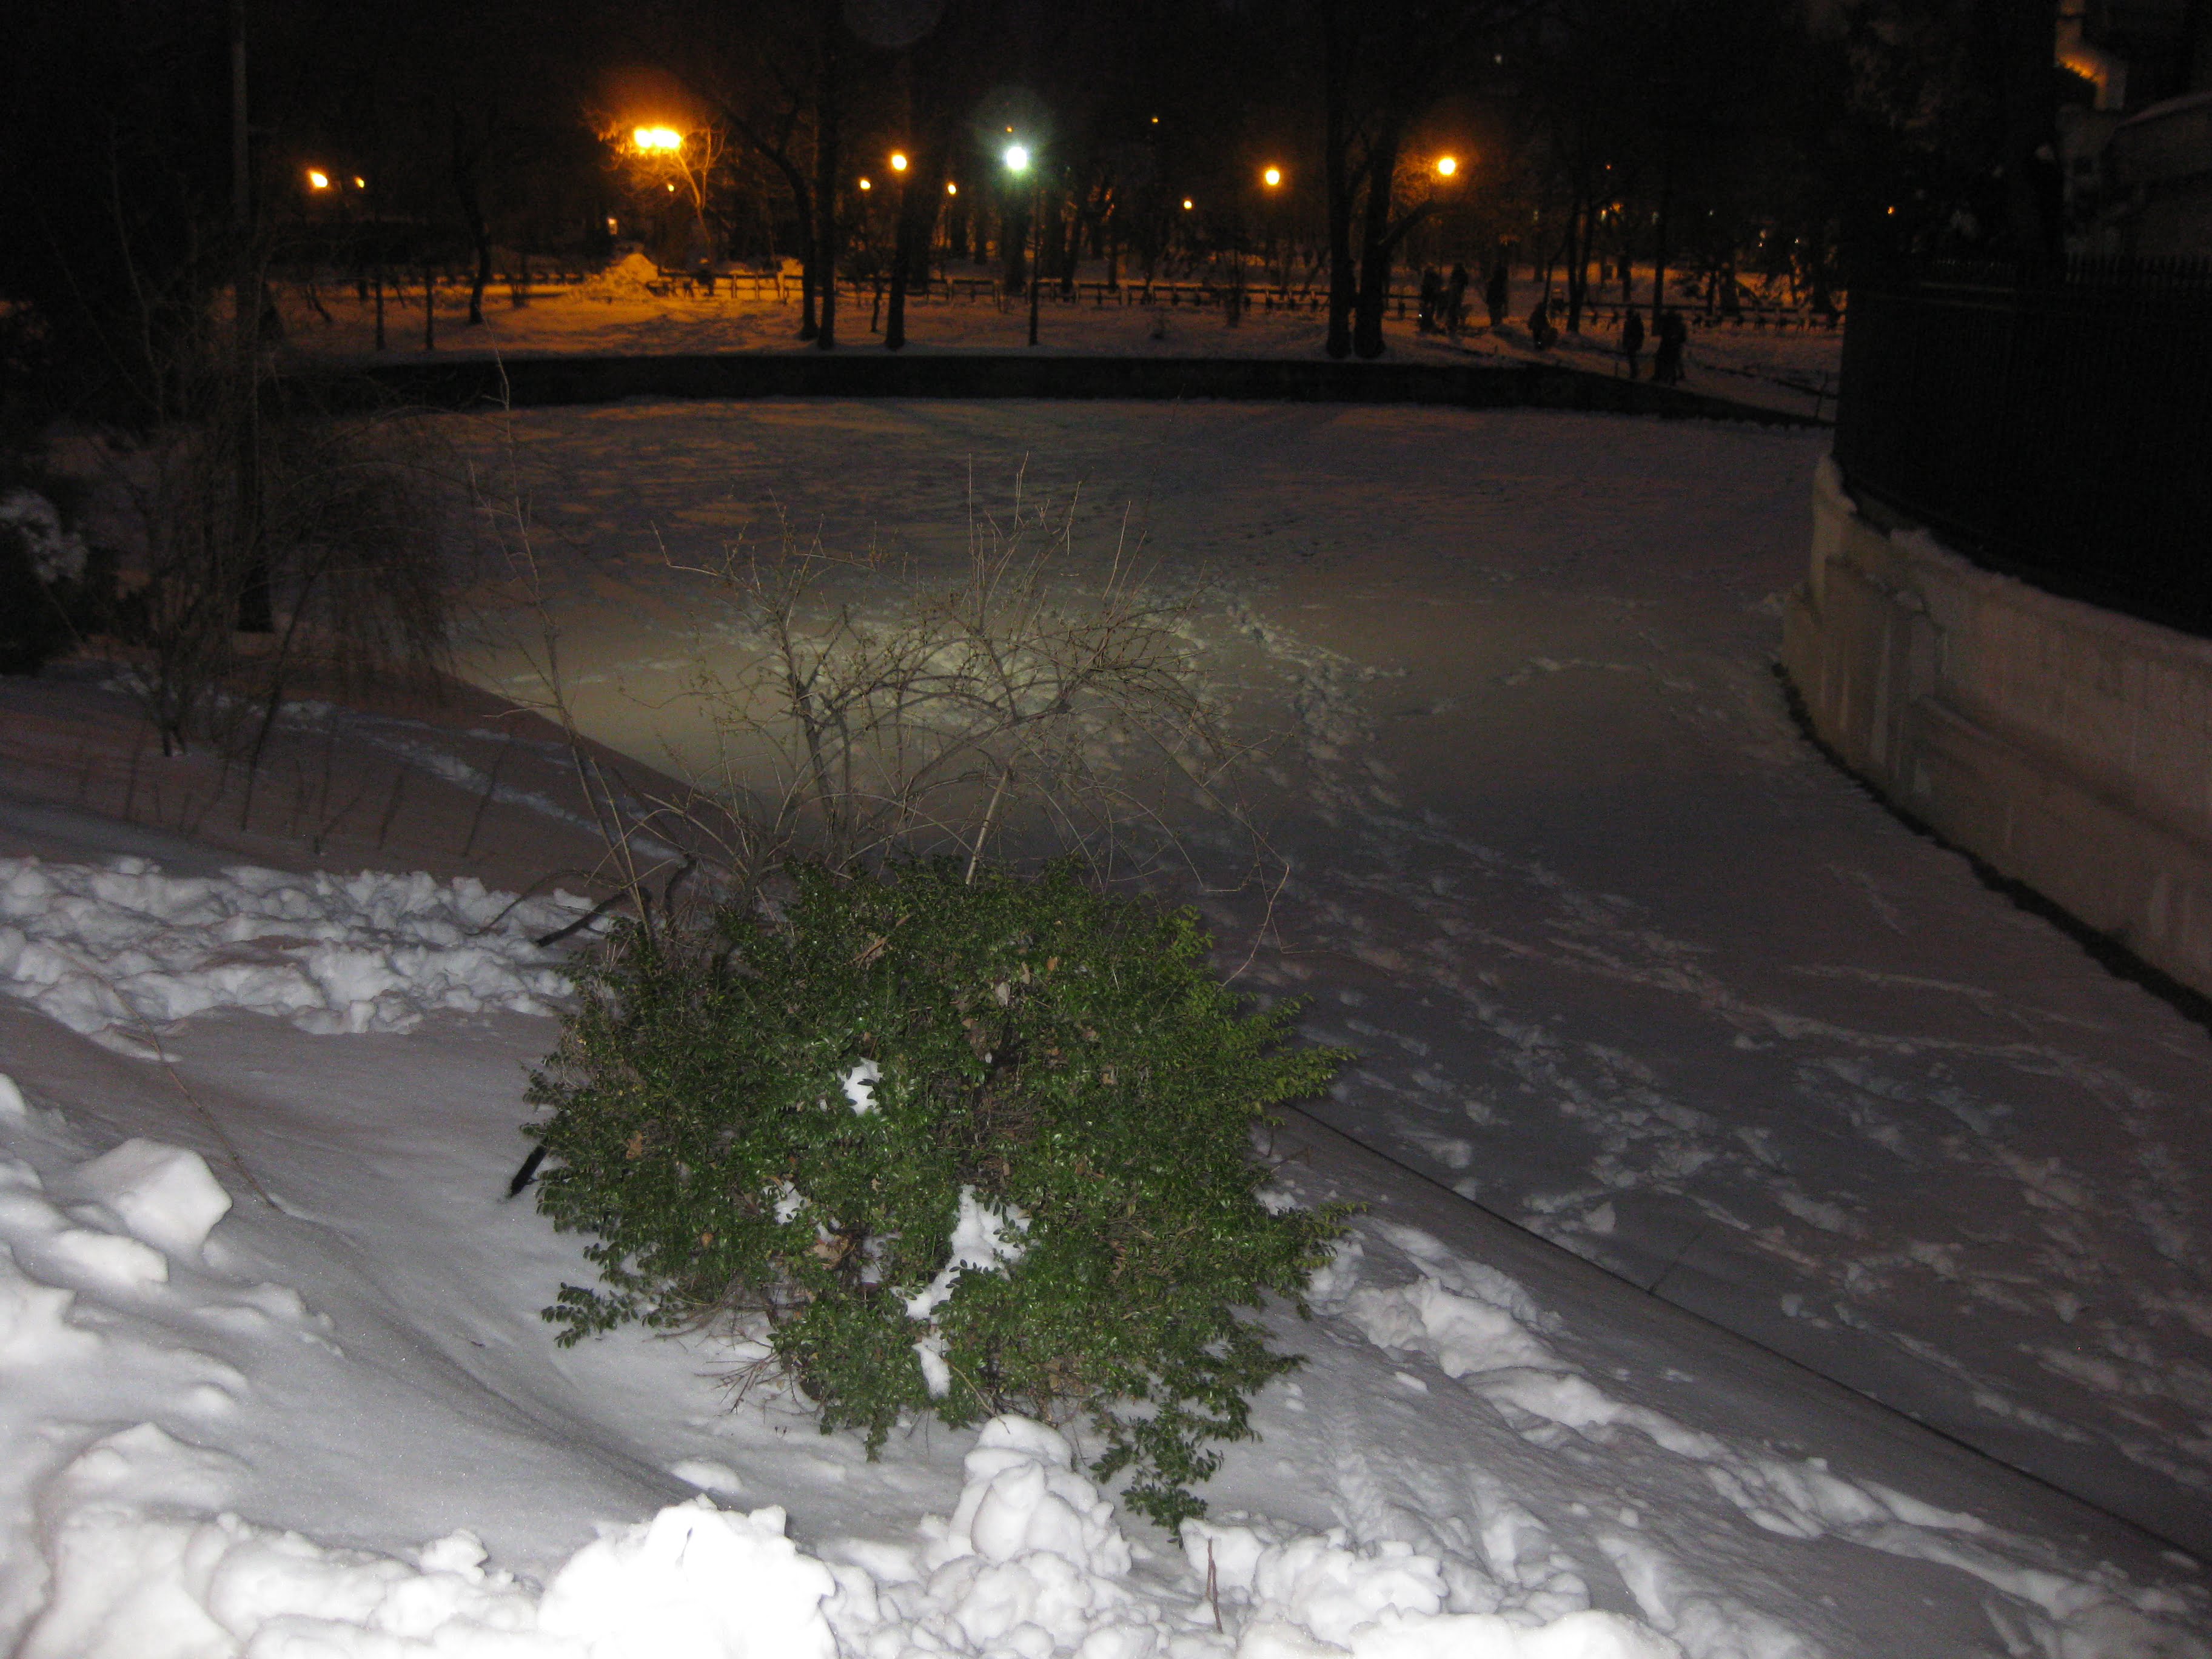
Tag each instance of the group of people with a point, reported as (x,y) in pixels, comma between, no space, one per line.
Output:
(1666,357)
(1443,311)
(1673,334)
(1444,298)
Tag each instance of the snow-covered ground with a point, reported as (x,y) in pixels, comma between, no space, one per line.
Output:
(1627,961)
(275,1386)
(1627,965)
(1793,368)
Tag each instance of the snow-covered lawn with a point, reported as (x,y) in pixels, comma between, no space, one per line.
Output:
(1627,965)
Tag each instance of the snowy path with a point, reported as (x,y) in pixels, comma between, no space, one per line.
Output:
(1627,963)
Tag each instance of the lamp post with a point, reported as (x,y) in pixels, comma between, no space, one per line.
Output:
(1017,158)
(1271,181)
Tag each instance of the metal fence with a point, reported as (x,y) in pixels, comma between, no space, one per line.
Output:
(2059,430)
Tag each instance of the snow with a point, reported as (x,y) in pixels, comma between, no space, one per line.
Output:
(1624,965)
(164,1195)
(115,951)
(1622,959)
(56,555)
(693,1583)
(983,1239)
(859,1087)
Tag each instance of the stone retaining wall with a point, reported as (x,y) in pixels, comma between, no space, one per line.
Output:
(2069,747)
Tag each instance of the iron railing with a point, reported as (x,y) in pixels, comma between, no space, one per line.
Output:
(2058,429)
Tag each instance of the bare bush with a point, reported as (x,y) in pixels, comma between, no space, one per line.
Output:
(326,524)
(1043,701)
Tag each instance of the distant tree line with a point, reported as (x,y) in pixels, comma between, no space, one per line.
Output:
(1593,138)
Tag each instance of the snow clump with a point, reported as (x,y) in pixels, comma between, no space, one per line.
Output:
(164,1196)
(981,1243)
(56,555)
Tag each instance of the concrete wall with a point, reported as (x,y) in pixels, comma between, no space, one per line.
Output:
(2069,747)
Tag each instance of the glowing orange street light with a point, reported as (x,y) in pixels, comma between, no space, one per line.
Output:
(318,179)
(898,162)
(1187,205)
(359,183)
(652,140)
(1272,177)
(865,184)
(952,189)
(1447,166)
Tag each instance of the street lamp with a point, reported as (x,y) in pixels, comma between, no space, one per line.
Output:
(318,179)
(1016,156)
(898,160)
(1447,166)
(1272,178)
(664,140)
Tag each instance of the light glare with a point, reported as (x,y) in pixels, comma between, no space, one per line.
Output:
(1017,158)
(649,140)
(898,162)
(1447,166)
(318,179)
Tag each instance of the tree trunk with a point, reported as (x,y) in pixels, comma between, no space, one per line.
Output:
(1577,260)
(1337,50)
(465,191)
(1375,243)
(1013,245)
(826,161)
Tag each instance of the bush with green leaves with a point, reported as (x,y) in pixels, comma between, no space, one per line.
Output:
(966,1142)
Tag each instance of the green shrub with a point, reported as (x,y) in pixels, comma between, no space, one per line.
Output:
(970,1147)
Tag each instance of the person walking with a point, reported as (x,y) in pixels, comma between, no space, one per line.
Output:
(1497,296)
(1632,339)
(1540,332)
(1455,300)
(1667,359)
(1432,289)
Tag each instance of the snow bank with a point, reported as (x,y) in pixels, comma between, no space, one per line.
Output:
(107,950)
(693,1583)
(630,277)
(1031,1564)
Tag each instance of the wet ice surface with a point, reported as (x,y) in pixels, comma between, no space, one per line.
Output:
(1624,960)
